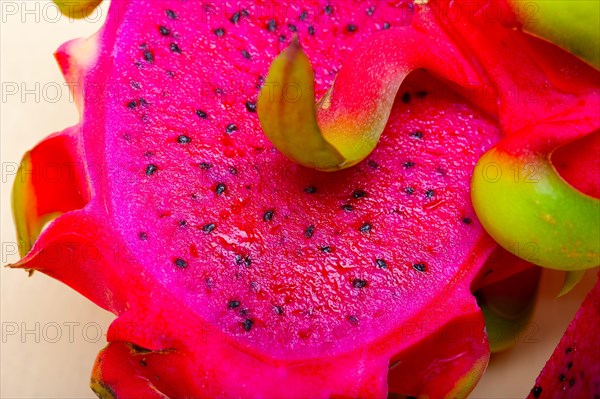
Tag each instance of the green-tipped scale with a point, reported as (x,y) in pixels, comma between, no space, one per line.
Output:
(531,211)
(77,9)
(345,125)
(571,24)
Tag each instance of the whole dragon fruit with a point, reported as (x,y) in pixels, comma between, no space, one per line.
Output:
(237,273)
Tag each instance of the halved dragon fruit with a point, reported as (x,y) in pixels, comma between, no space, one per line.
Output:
(235,272)
(573,371)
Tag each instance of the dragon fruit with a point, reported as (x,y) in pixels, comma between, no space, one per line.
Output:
(573,371)
(234,272)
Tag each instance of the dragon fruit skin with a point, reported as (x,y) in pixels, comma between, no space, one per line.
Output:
(211,311)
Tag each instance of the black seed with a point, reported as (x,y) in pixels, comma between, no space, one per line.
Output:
(132,104)
(370,10)
(180,263)
(164,31)
(326,249)
(243,260)
(151,169)
(420,267)
(359,194)
(143,102)
(386,25)
(175,48)
(220,32)
(182,223)
(417,134)
(308,233)
(142,235)
(366,227)
(246,54)
(278,310)
(430,194)
(421,94)
(245,13)
(536,391)
(347,207)
(351,28)
(271,25)
(569,365)
(231,128)
(171,14)
(409,190)
(292,28)
(282,38)
(207,228)
(328,10)
(268,215)
(303,15)
(233,170)
(183,139)
(568,350)
(201,114)
(310,190)
(405,98)
(381,264)
(358,283)
(353,320)
(235,18)
(372,164)
(204,166)
(220,188)
(251,106)
(148,56)
(248,324)
(572,381)
(311,30)
(467,220)
(408,164)
(233,304)
(562,377)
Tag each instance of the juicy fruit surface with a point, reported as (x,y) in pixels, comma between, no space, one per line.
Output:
(277,255)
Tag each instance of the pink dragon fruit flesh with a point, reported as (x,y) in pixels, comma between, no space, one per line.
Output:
(233,271)
(573,371)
